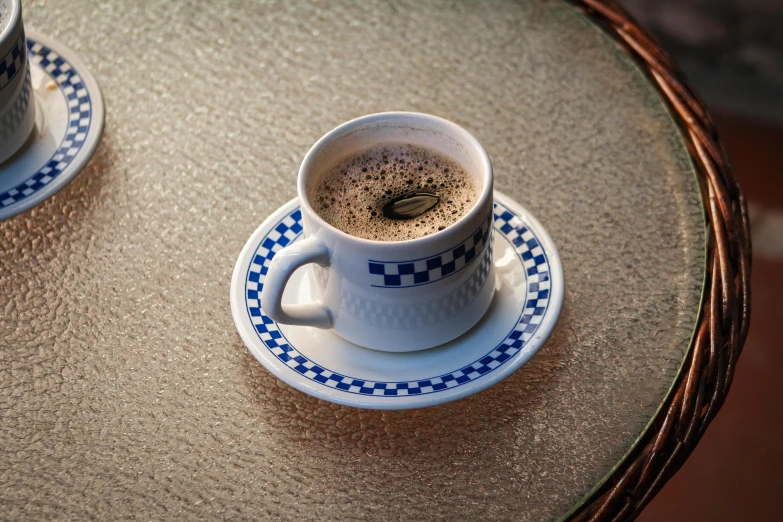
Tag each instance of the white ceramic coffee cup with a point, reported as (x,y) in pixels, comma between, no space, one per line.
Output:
(17,105)
(393,296)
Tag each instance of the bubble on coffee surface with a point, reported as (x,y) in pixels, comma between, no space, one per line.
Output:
(357,195)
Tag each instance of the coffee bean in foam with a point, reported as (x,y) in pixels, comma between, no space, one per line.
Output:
(394,192)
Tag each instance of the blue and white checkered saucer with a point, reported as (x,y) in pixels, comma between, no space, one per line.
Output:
(68,126)
(528,298)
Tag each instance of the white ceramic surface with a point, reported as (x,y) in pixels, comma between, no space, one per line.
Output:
(529,290)
(69,118)
(395,296)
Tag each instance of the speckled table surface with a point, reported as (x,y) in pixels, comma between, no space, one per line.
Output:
(125,391)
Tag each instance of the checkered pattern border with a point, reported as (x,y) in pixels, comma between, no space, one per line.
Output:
(506,222)
(281,236)
(526,244)
(79,121)
(12,62)
(403,274)
(420,314)
(10,122)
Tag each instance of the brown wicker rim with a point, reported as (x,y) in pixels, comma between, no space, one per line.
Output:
(722,327)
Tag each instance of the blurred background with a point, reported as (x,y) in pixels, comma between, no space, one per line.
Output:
(732,50)
(732,53)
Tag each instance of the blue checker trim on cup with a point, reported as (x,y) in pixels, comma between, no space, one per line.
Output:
(79,120)
(12,62)
(424,312)
(506,222)
(404,274)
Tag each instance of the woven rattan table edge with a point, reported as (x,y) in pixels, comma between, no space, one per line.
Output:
(705,375)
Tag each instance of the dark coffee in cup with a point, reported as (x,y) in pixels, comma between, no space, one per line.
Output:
(394,192)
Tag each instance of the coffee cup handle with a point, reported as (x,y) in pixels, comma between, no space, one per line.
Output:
(283,265)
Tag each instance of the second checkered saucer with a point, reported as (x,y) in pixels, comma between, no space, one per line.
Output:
(528,298)
(68,126)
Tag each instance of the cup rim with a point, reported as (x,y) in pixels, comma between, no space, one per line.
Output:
(13,22)
(486,189)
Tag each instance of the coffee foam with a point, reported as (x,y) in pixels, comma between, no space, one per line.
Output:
(351,195)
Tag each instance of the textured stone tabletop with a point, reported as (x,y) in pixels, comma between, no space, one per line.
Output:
(125,390)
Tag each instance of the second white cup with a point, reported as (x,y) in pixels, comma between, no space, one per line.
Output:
(17,105)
